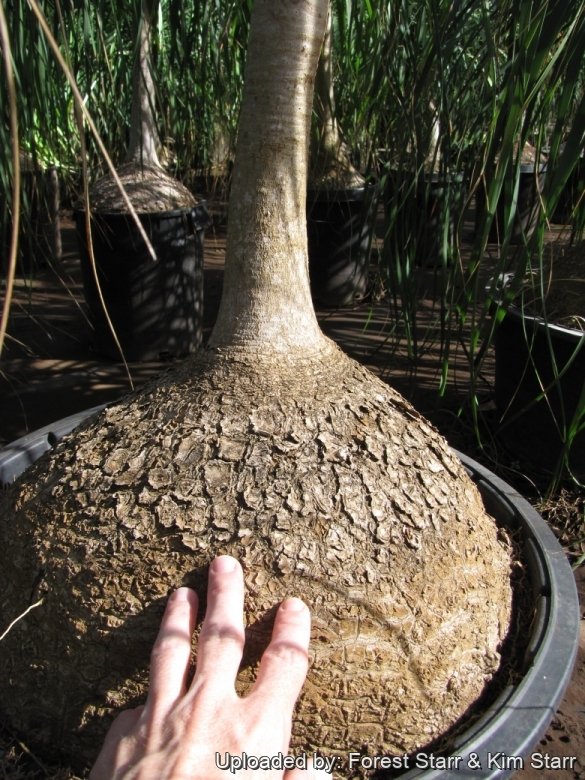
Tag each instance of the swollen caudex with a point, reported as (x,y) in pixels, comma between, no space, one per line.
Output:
(325,484)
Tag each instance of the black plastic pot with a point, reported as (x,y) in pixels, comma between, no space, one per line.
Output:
(340,229)
(156,307)
(22,453)
(517,719)
(531,355)
(527,208)
(421,214)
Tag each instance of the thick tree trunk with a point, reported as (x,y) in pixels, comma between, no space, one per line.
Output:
(266,298)
(142,148)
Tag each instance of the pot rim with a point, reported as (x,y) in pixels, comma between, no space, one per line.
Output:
(200,206)
(516,720)
(568,334)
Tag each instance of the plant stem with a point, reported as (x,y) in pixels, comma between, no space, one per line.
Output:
(266,298)
(143,132)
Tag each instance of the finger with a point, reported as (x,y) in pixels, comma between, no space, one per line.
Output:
(284,665)
(221,641)
(171,654)
(112,750)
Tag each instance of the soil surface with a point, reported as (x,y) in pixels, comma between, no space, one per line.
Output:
(49,370)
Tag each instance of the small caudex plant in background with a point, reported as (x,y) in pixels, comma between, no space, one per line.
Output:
(341,208)
(271,445)
(146,299)
(148,186)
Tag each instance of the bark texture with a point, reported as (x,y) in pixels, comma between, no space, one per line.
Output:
(150,190)
(324,482)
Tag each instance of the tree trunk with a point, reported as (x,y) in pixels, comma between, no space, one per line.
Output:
(266,298)
(142,148)
(330,166)
(272,446)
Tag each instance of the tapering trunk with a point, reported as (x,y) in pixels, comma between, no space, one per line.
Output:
(144,139)
(149,188)
(266,298)
(330,165)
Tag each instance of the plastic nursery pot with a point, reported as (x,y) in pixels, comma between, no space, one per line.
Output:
(421,213)
(22,453)
(156,306)
(527,208)
(532,354)
(497,740)
(340,229)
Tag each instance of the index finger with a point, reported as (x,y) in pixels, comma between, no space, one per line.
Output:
(171,654)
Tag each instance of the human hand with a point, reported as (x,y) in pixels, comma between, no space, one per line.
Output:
(178,732)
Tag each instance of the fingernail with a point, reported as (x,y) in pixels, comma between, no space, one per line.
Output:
(224,564)
(293,605)
(181,594)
